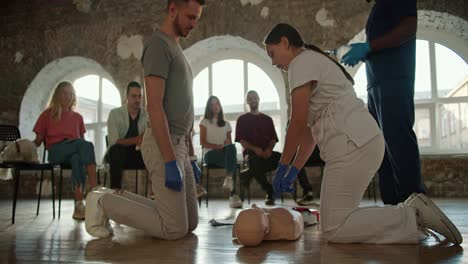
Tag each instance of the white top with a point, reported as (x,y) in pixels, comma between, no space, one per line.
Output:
(214,134)
(336,114)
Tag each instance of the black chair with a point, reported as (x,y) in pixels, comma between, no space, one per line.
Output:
(128,167)
(242,192)
(207,167)
(12,133)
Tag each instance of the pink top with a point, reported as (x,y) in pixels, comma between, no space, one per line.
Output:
(70,126)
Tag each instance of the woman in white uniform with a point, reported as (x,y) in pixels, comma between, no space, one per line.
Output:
(327,112)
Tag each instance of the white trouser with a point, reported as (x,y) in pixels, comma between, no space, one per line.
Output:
(344,183)
(172,214)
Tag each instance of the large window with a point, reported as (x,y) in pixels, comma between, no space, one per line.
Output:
(441,98)
(96,96)
(230,80)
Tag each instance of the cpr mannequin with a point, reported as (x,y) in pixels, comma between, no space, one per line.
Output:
(254,225)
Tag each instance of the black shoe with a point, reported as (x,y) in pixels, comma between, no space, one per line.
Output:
(269,200)
(307,199)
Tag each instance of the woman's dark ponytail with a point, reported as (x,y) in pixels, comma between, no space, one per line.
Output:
(295,39)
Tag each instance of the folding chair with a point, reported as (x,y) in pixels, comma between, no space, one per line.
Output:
(12,133)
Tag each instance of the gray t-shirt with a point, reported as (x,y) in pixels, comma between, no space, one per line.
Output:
(163,57)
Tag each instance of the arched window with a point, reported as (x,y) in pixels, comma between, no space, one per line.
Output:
(230,80)
(96,97)
(441,96)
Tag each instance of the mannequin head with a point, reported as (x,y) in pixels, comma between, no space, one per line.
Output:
(251,227)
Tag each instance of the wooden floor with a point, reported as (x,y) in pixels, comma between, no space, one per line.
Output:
(41,239)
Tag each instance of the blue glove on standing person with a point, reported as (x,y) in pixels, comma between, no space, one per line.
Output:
(173,176)
(196,171)
(278,178)
(289,179)
(357,53)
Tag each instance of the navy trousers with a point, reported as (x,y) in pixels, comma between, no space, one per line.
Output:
(391,75)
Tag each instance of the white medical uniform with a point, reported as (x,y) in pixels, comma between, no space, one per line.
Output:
(352,146)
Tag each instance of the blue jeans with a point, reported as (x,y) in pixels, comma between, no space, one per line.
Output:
(76,152)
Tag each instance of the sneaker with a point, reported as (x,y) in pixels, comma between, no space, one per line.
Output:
(79,212)
(201,192)
(96,222)
(269,200)
(410,198)
(430,216)
(227,185)
(235,201)
(307,199)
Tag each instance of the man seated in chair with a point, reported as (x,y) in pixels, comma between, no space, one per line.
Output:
(126,125)
(256,133)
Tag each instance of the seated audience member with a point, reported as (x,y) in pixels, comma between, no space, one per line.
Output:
(62,130)
(256,133)
(125,126)
(215,137)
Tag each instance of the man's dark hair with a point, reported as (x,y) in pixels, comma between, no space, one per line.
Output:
(133,84)
(177,2)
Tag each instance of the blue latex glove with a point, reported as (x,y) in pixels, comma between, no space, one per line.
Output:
(196,171)
(289,179)
(278,178)
(357,53)
(173,176)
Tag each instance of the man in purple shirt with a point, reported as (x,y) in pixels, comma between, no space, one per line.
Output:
(256,133)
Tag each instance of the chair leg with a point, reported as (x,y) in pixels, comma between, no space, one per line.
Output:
(53,191)
(207,184)
(136,181)
(40,193)
(15,194)
(295,191)
(248,193)
(60,192)
(105,177)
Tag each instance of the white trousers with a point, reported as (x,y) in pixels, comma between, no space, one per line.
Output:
(172,214)
(344,183)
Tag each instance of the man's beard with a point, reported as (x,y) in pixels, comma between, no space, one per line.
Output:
(178,28)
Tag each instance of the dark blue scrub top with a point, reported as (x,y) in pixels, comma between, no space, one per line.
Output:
(387,14)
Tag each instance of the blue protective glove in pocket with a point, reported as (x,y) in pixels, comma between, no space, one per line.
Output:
(278,178)
(358,52)
(289,179)
(196,171)
(173,176)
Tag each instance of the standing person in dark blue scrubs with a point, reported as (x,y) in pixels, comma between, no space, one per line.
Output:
(390,53)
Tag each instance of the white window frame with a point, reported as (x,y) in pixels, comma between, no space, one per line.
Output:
(100,124)
(235,115)
(458,46)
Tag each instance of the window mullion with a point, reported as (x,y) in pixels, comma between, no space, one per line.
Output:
(246,82)
(210,80)
(99,126)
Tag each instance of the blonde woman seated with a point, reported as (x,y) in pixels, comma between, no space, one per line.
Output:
(215,138)
(63,130)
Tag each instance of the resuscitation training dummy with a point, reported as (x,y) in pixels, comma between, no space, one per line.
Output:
(254,225)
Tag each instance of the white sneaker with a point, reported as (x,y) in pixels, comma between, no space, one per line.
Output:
(430,216)
(79,212)
(410,198)
(96,223)
(235,201)
(227,185)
